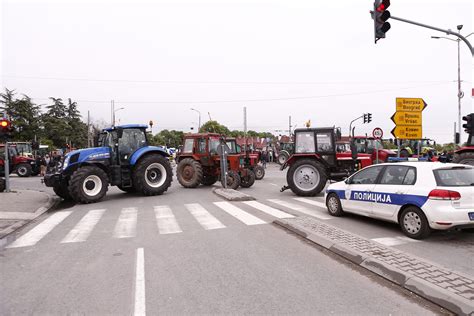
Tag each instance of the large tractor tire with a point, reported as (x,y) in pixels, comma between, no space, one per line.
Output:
(24,170)
(259,172)
(152,175)
(88,184)
(283,157)
(208,180)
(233,180)
(62,191)
(466,158)
(189,173)
(306,177)
(248,180)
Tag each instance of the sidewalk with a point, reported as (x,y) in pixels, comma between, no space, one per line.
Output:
(18,208)
(450,289)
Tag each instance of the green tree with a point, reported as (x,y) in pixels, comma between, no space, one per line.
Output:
(168,138)
(77,129)
(214,127)
(56,127)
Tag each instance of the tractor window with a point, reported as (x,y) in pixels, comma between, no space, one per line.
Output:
(201,145)
(232,147)
(304,142)
(213,145)
(131,140)
(188,146)
(324,142)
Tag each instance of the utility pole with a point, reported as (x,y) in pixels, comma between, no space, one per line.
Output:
(245,128)
(289,126)
(460,93)
(112,113)
(88,129)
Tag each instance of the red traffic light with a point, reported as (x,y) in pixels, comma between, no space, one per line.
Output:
(4,123)
(383,6)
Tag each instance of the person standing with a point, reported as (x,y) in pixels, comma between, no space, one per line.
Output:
(264,159)
(43,165)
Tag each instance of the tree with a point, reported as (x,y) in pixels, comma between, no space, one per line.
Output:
(214,127)
(77,129)
(168,138)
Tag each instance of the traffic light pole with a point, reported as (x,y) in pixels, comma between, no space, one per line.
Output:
(7,168)
(448,32)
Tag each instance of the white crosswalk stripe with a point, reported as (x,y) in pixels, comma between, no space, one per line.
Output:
(240,214)
(41,230)
(126,226)
(84,228)
(268,209)
(299,208)
(311,202)
(166,221)
(203,217)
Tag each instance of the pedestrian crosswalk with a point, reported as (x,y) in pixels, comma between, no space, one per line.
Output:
(206,216)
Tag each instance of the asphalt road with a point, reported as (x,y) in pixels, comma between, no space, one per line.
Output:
(183,253)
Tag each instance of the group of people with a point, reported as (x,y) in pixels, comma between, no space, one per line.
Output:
(266,156)
(47,161)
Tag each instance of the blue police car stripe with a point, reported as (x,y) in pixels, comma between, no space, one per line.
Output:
(340,193)
(383,197)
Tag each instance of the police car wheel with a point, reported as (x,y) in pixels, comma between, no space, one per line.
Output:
(414,223)
(333,204)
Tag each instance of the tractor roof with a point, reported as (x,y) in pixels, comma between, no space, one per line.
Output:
(313,129)
(108,129)
(202,135)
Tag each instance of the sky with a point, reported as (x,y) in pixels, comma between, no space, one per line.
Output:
(311,60)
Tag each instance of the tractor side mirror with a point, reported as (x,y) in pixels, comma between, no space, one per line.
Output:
(353,150)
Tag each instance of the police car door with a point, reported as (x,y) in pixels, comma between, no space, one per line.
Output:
(359,189)
(391,190)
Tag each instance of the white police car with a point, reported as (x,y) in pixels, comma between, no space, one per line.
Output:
(420,196)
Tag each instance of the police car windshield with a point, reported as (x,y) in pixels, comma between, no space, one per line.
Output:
(454,177)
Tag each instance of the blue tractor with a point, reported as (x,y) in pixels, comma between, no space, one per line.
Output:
(122,158)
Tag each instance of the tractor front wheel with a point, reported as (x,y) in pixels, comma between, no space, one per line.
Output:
(466,158)
(247,180)
(62,191)
(88,184)
(24,170)
(153,175)
(306,177)
(259,172)
(233,180)
(189,173)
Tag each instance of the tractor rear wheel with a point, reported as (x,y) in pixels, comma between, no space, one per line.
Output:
(466,158)
(62,191)
(208,180)
(24,170)
(259,172)
(88,184)
(248,180)
(152,175)
(189,173)
(233,180)
(282,157)
(306,177)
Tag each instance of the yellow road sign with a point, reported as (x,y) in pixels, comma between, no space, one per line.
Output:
(407,118)
(410,104)
(407,132)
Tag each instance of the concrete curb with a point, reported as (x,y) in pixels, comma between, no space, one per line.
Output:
(232,195)
(430,291)
(7,235)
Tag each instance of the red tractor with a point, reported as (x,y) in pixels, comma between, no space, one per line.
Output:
(22,166)
(317,160)
(250,159)
(368,145)
(199,163)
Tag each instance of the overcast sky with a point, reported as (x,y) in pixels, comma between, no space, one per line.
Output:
(309,59)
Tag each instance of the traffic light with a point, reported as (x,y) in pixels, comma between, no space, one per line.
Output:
(369,117)
(469,125)
(5,128)
(380,16)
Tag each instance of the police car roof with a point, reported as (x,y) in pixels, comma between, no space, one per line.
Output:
(108,129)
(430,165)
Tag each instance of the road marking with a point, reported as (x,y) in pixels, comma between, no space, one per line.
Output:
(204,218)
(394,241)
(41,230)
(298,208)
(267,209)
(126,226)
(240,214)
(311,202)
(140,307)
(166,221)
(84,228)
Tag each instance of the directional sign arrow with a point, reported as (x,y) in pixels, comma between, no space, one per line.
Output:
(410,104)
(407,132)
(407,118)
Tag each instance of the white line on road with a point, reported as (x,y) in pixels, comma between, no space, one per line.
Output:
(140,307)
(84,228)
(41,230)
(240,214)
(311,202)
(126,226)
(166,221)
(267,209)
(204,218)
(298,208)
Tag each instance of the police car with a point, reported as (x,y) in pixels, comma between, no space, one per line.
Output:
(420,196)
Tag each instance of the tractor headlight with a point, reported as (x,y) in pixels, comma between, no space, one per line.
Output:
(65,164)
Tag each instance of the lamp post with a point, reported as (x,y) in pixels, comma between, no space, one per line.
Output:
(460,93)
(199,118)
(114,114)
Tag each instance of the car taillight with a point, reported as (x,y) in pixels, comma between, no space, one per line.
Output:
(444,195)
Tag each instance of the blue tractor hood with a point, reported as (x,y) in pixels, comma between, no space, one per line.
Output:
(87,154)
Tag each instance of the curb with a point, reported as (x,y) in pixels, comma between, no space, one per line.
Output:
(430,291)
(232,195)
(7,234)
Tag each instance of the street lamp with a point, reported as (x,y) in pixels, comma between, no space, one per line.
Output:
(199,118)
(460,93)
(114,114)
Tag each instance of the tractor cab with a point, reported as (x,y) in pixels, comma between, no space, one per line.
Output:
(123,141)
